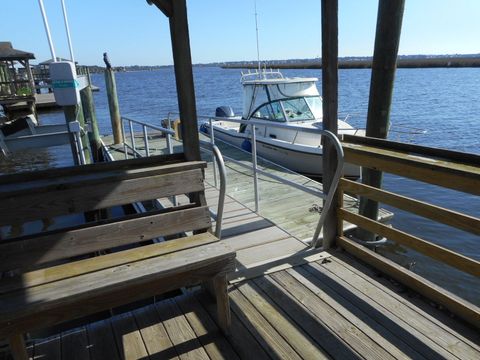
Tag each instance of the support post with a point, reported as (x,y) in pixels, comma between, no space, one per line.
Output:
(184,79)
(17,347)
(330,109)
(113,106)
(90,117)
(28,69)
(75,113)
(387,40)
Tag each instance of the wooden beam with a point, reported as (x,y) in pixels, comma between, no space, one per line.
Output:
(427,248)
(455,304)
(436,213)
(330,108)
(165,6)
(384,64)
(450,175)
(184,79)
(424,151)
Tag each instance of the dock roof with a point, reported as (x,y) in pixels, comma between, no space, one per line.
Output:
(8,53)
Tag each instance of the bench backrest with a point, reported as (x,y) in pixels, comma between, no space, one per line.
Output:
(48,194)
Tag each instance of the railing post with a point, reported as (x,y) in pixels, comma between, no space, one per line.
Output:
(254,166)
(122,128)
(330,111)
(212,141)
(169,136)
(75,113)
(145,141)
(132,138)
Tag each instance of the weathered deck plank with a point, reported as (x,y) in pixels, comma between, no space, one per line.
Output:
(101,341)
(154,335)
(50,348)
(180,332)
(75,344)
(337,309)
(128,337)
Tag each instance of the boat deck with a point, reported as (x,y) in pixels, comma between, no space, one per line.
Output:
(335,308)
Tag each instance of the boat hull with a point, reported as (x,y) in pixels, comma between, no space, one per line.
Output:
(303,159)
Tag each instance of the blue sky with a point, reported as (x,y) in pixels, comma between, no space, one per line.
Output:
(224,30)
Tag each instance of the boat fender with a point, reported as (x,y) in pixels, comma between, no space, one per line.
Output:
(247,145)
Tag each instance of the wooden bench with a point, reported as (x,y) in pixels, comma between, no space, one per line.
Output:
(52,276)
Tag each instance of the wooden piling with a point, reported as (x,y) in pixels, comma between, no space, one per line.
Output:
(387,39)
(113,106)
(184,79)
(90,117)
(330,109)
(75,113)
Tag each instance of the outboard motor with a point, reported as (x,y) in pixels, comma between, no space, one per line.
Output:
(224,111)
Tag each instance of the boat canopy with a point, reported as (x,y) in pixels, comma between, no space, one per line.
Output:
(263,91)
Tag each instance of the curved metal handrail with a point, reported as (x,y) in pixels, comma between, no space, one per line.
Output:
(223,185)
(338,172)
(333,186)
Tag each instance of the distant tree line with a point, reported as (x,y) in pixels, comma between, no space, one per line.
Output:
(349,62)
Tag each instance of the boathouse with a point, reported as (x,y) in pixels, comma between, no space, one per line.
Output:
(16,81)
(207,277)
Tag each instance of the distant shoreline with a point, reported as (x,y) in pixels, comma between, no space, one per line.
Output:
(436,62)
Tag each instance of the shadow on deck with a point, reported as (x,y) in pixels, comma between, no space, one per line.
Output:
(332,308)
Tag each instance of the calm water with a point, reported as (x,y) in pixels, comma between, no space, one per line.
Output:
(443,102)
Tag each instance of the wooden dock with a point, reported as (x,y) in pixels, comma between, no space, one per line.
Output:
(287,301)
(326,309)
(277,236)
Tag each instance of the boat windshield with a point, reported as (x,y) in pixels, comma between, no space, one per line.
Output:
(294,109)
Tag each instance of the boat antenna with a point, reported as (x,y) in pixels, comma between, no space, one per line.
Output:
(47,30)
(67,29)
(256,30)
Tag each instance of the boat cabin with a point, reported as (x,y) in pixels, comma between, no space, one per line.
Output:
(270,96)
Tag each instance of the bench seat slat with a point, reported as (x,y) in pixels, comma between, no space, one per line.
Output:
(70,180)
(40,249)
(85,266)
(96,169)
(56,301)
(61,200)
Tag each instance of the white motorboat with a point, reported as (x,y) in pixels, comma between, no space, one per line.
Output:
(287,115)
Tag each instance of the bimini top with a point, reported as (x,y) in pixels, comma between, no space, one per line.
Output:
(270,86)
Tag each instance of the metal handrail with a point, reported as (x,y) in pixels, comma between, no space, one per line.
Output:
(167,131)
(223,185)
(328,197)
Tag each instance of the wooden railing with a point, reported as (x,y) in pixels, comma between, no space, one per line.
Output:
(445,168)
